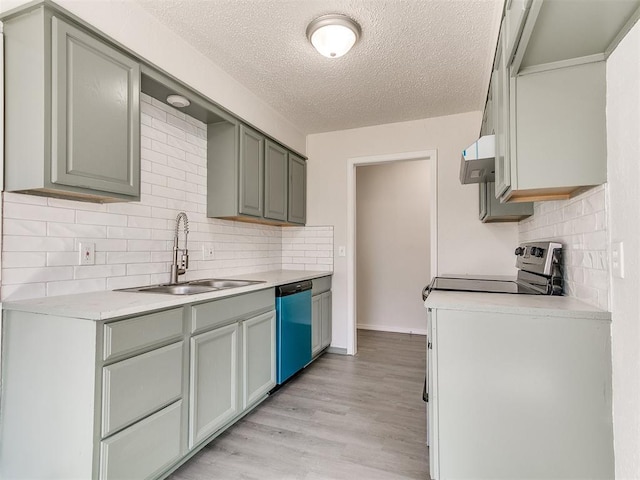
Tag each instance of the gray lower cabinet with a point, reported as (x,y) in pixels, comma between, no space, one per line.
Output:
(502,406)
(146,449)
(72,113)
(258,357)
(130,397)
(233,358)
(320,315)
(492,210)
(252,178)
(214,382)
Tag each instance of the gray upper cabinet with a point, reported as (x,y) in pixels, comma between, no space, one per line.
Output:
(297,190)
(514,16)
(252,178)
(491,210)
(276,169)
(72,130)
(251,166)
(500,110)
(548,92)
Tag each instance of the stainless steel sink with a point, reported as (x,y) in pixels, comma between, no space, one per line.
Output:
(178,289)
(193,287)
(224,283)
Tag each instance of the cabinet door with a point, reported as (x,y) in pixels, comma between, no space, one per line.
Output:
(145,449)
(275,182)
(95,114)
(251,171)
(482,200)
(514,17)
(259,357)
(316,324)
(297,190)
(214,382)
(138,386)
(500,80)
(325,312)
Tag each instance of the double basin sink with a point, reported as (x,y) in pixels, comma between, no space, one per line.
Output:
(193,287)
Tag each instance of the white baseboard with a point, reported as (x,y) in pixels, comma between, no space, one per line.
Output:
(393,329)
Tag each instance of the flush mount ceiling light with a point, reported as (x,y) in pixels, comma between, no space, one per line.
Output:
(178,101)
(333,35)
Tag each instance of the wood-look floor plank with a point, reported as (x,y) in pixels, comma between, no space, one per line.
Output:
(343,417)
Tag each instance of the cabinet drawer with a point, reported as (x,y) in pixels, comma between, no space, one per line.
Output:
(219,312)
(145,449)
(127,336)
(322,284)
(140,385)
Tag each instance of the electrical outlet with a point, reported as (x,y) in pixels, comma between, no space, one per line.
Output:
(87,253)
(617,259)
(207,252)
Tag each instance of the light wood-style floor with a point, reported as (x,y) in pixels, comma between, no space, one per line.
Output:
(343,417)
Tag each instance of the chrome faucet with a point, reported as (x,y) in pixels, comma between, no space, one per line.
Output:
(181,267)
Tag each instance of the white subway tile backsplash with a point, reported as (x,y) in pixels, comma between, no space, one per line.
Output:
(36,212)
(57,259)
(580,225)
(152,111)
(168,150)
(14,226)
(24,259)
(36,244)
(134,240)
(24,290)
(68,287)
(98,271)
(35,275)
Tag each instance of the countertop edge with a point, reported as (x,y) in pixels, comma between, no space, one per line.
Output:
(109,304)
(541,305)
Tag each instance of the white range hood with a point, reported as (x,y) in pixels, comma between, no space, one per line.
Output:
(478,161)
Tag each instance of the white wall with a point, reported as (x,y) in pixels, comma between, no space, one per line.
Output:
(623,170)
(392,245)
(131,25)
(133,240)
(457,223)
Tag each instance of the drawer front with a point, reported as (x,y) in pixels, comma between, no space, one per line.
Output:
(218,312)
(145,449)
(127,336)
(140,385)
(322,284)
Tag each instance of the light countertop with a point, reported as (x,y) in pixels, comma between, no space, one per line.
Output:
(104,305)
(544,305)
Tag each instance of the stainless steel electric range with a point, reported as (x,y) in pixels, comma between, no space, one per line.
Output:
(539,272)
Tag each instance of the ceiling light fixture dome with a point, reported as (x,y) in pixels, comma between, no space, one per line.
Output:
(333,35)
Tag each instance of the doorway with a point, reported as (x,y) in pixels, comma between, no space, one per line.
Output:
(429,197)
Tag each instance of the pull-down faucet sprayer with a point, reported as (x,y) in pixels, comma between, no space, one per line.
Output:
(180,268)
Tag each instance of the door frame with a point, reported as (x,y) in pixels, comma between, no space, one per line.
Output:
(352,164)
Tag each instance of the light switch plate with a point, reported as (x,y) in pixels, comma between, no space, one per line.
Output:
(617,259)
(342,251)
(207,251)
(87,253)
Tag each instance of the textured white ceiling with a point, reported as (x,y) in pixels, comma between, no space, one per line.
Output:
(415,58)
